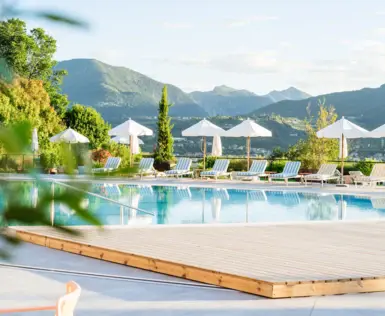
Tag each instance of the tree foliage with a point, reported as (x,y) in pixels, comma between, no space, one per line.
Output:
(26,100)
(30,55)
(164,149)
(89,122)
(314,151)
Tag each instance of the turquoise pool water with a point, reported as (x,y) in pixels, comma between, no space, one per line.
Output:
(162,205)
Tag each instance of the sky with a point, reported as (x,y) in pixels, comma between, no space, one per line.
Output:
(318,46)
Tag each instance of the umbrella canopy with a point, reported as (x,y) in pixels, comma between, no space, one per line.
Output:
(248,128)
(130,128)
(343,127)
(204,128)
(35,141)
(69,136)
(217,147)
(378,132)
(124,140)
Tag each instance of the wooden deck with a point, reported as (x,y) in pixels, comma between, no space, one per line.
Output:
(275,261)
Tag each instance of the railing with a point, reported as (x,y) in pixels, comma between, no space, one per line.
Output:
(102,197)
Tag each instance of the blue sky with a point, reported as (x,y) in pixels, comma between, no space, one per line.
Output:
(260,45)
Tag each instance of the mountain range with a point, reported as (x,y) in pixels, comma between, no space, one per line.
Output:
(119,91)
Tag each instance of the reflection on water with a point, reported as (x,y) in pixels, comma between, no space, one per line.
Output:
(152,205)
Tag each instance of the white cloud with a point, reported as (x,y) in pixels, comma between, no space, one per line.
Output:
(169,25)
(250,20)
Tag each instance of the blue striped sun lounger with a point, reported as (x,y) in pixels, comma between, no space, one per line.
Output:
(219,169)
(146,167)
(257,169)
(290,171)
(182,168)
(112,164)
(221,193)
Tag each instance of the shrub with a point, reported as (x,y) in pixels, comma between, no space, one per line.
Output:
(276,166)
(122,151)
(50,158)
(365,166)
(238,165)
(100,156)
(7,163)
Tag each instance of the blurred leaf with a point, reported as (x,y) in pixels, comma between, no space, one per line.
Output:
(60,18)
(6,73)
(11,239)
(16,138)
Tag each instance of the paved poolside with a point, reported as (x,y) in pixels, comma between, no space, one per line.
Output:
(102,296)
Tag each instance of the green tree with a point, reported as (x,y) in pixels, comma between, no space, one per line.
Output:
(30,55)
(314,151)
(164,148)
(89,122)
(26,100)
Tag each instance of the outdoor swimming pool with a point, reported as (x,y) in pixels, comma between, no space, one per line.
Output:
(159,205)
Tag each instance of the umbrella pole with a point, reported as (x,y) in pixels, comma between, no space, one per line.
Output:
(204,152)
(248,152)
(342,159)
(131,150)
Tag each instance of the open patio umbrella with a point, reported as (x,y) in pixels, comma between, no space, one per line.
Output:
(204,128)
(69,136)
(343,129)
(378,132)
(248,128)
(125,140)
(132,130)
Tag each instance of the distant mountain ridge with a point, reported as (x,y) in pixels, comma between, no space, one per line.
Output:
(224,100)
(122,92)
(365,106)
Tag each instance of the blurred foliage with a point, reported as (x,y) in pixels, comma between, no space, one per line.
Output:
(30,98)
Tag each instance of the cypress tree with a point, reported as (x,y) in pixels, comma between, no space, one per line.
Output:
(164,149)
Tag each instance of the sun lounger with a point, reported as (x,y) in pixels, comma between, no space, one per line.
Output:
(112,164)
(290,171)
(182,168)
(325,173)
(146,167)
(219,169)
(65,305)
(256,170)
(376,176)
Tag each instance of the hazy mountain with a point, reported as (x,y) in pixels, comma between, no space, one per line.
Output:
(224,100)
(120,90)
(365,106)
(288,94)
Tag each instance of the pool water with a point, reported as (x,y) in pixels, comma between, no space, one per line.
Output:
(165,205)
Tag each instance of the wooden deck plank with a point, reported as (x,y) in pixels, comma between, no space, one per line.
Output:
(270,260)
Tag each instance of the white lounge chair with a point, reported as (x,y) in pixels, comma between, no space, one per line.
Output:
(112,164)
(256,170)
(219,169)
(376,176)
(182,168)
(325,173)
(290,171)
(146,167)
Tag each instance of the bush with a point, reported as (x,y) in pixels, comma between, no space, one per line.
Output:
(50,158)
(100,156)
(122,151)
(238,165)
(8,164)
(365,166)
(276,166)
